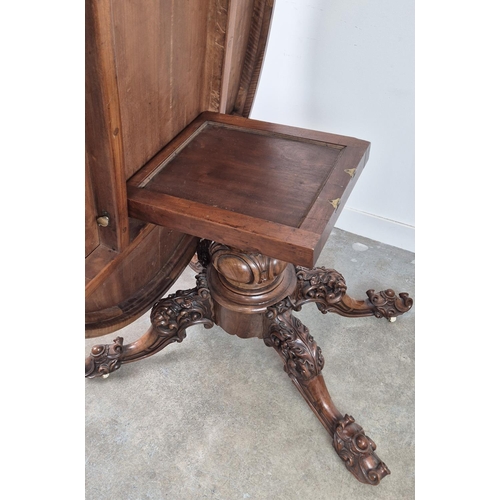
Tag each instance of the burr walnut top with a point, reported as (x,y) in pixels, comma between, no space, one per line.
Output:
(253,185)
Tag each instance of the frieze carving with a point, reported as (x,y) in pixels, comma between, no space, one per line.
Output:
(301,355)
(357,451)
(323,286)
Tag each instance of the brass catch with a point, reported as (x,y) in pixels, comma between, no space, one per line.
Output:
(103,220)
(335,203)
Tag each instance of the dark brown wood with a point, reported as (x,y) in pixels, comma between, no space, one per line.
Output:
(119,299)
(167,167)
(242,182)
(253,295)
(243,285)
(250,174)
(193,218)
(327,288)
(303,362)
(91,228)
(151,68)
(160,48)
(103,139)
(170,318)
(216,55)
(254,56)
(236,37)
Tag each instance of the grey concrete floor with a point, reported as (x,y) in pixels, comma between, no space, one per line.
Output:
(217,417)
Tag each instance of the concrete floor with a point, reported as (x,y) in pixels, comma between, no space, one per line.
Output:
(217,417)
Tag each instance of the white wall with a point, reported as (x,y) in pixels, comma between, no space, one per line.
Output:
(347,67)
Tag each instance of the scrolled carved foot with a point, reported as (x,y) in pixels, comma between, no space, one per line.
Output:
(387,305)
(357,451)
(303,361)
(170,317)
(104,359)
(327,288)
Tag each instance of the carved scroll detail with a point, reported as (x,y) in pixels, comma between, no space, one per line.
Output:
(169,317)
(245,268)
(326,287)
(384,304)
(303,361)
(357,451)
(104,359)
(301,355)
(387,305)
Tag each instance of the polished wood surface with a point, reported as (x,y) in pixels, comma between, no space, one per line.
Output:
(170,172)
(151,68)
(250,184)
(257,175)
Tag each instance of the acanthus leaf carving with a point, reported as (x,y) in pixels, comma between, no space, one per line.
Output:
(325,287)
(245,268)
(170,317)
(301,355)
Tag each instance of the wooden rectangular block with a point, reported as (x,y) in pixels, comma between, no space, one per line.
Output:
(257,186)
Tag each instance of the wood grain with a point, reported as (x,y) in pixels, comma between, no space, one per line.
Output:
(138,280)
(254,57)
(250,184)
(103,142)
(236,46)
(160,51)
(91,232)
(216,55)
(151,68)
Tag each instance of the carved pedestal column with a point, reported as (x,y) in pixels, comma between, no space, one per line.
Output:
(251,295)
(243,285)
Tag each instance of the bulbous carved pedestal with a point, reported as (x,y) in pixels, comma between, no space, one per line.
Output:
(252,295)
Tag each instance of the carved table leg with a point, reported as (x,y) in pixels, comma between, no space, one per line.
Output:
(170,317)
(303,362)
(327,288)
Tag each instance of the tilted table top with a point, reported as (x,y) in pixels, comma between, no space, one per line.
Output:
(256,186)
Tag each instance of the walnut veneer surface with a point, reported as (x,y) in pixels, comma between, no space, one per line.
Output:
(250,184)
